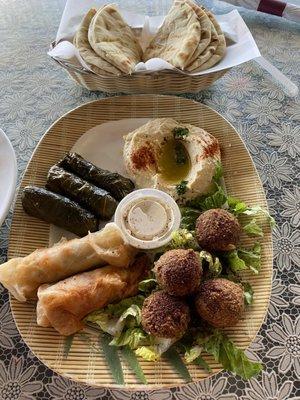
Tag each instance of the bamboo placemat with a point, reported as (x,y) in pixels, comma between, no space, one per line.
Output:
(27,233)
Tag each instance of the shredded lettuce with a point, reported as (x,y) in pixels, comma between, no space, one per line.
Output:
(226,353)
(216,199)
(248,293)
(188,218)
(214,264)
(155,348)
(147,285)
(148,353)
(132,337)
(253,229)
(252,257)
(182,239)
(238,207)
(242,259)
(113,318)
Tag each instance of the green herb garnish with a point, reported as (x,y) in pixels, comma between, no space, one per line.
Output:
(67,345)
(180,133)
(181,188)
(112,358)
(132,361)
(202,363)
(179,366)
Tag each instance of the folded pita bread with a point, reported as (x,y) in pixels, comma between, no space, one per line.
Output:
(221,48)
(97,64)
(177,38)
(113,39)
(205,27)
(214,51)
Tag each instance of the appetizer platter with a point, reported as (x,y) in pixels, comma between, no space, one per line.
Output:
(8,175)
(140,250)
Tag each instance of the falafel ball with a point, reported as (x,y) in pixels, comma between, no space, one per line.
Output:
(179,272)
(220,302)
(218,230)
(165,316)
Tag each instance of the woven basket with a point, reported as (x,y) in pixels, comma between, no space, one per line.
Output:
(163,82)
(152,83)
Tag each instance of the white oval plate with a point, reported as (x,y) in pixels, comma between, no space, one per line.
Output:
(8,175)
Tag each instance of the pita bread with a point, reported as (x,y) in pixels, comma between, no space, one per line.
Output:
(113,39)
(216,49)
(97,64)
(177,38)
(221,49)
(205,27)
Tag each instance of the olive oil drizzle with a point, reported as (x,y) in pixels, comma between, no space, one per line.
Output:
(174,163)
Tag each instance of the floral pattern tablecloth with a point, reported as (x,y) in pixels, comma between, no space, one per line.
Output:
(34,92)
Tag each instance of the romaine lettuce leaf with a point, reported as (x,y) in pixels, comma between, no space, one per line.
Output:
(238,207)
(252,257)
(241,259)
(148,353)
(132,337)
(113,318)
(253,229)
(117,309)
(232,358)
(216,199)
(154,348)
(248,293)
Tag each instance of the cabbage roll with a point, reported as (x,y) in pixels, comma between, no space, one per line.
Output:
(114,183)
(96,200)
(58,210)
(23,275)
(64,304)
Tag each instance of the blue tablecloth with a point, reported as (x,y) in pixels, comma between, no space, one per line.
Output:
(34,92)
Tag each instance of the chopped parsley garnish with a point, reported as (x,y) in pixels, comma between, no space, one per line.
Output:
(181,187)
(180,154)
(180,133)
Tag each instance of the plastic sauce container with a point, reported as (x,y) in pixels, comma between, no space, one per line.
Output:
(147,218)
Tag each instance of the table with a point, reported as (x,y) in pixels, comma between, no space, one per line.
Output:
(34,92)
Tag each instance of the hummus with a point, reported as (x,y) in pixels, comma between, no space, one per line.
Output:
(165,153)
